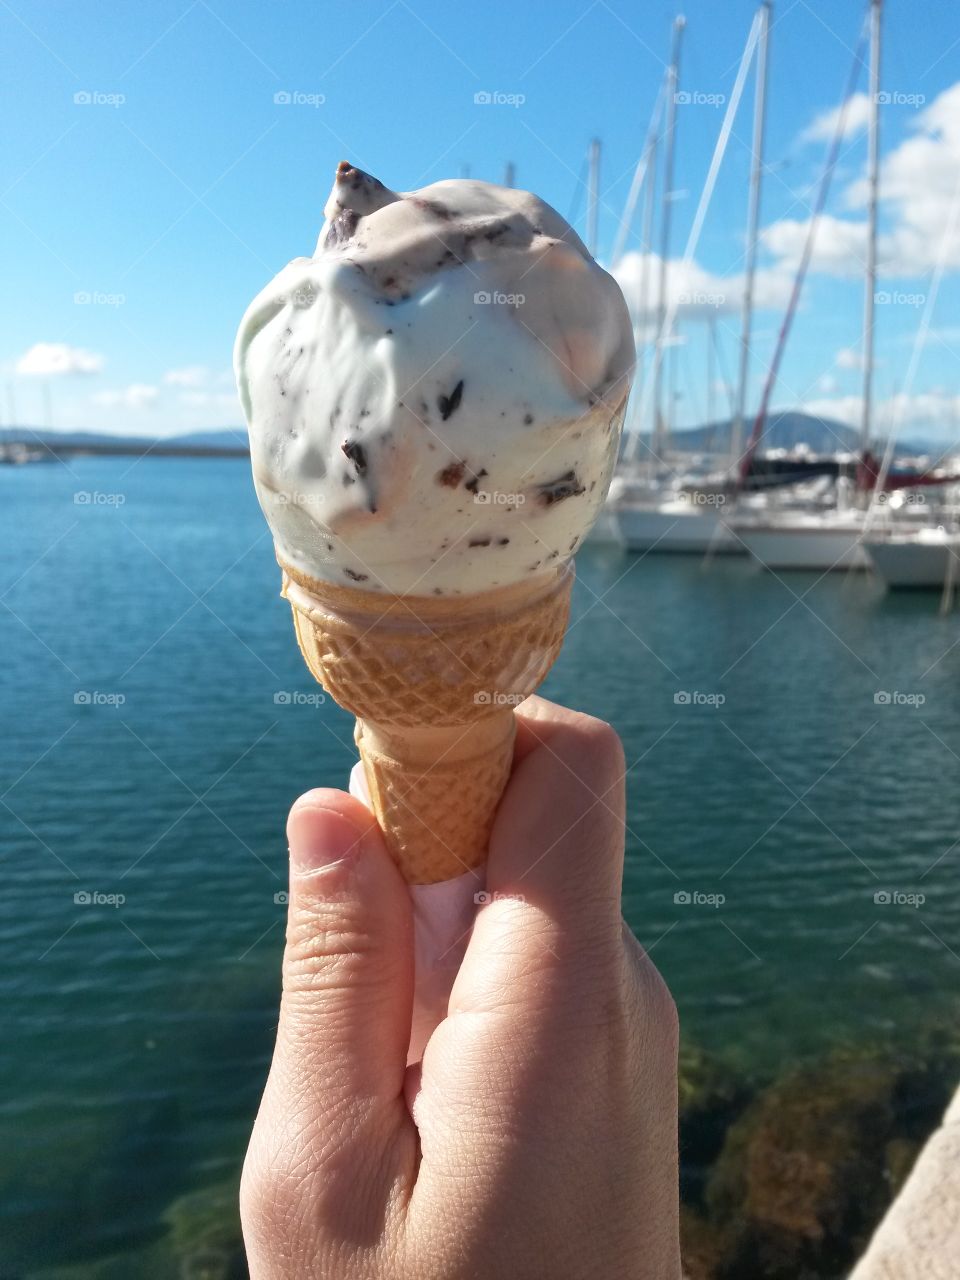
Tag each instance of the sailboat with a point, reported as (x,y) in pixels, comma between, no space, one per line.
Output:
(659,512)
(919,559)
(831,540)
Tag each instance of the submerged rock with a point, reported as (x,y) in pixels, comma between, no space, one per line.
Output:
(811,1165)
(205,1235)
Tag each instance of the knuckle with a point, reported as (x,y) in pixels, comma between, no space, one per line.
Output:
(659,1010)
(600,743)
(325,936)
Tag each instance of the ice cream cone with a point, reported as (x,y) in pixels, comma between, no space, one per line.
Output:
(433,682)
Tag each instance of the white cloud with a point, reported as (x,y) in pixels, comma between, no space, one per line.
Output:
(827,384)
(848,358)
(138,395)
(919,180)
(824,126)
(55,359)
(220,402)
(839,249)
(194,375)
(919,183)
(934,413)
(697,292)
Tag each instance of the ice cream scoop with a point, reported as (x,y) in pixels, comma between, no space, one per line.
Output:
(434,402)
(434,398)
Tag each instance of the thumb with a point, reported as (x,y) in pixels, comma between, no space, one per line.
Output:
(333,1117)
(348,964)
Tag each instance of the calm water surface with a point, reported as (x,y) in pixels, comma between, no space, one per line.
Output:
(146,754)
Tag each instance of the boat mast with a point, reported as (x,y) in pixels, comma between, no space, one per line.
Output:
(873,185)
(711,376)
(593,196)
(510,175)
(753,222)
(673,80)
(646,246)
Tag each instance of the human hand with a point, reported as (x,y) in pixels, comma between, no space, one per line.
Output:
(540,1136)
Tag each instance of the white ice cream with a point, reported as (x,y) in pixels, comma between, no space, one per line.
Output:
(434,398)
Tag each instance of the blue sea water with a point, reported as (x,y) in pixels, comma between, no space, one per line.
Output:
(794,816)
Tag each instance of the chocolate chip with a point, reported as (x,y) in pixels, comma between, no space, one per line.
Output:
(471,485)
(354,450)
(527,419)
(449,404)
(479,542)
(342,228)
(451,475)
(565,486)
(357,577)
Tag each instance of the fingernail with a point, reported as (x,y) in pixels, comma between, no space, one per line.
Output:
(319,838)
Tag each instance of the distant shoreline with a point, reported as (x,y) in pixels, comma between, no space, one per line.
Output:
(135,449)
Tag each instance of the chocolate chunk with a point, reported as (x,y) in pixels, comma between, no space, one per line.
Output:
(502,542)
(449,404)
(452,475)
(471,485)
(527,419)
(356,577)
(479,542)
(438,210)
(565,486)
(342,228)
(355,451)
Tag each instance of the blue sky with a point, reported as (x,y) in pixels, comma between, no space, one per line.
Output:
(139,218)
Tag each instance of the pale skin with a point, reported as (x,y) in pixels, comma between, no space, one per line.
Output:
(540,1137)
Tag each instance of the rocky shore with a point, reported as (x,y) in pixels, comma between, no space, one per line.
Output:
(782,1178)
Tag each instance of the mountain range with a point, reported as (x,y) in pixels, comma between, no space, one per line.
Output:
(786,430)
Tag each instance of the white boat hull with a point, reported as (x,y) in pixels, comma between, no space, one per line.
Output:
(605,532)
(909,563)
(810,547)
(675,527)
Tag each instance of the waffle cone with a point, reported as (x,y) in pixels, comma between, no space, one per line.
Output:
(433,682)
